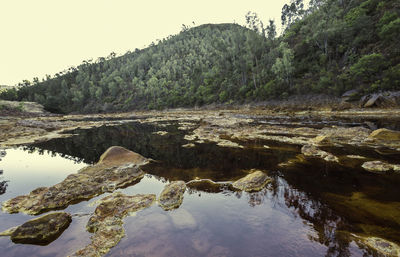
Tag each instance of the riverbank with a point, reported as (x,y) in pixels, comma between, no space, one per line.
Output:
(23,128)
(347,158)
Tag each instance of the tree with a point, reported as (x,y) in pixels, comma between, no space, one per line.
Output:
(283,67)
(292,12)
(271,30)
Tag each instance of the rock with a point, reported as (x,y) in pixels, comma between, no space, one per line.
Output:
(3,186)
(351,95)
(372,100)
(380,167)
(312,151)
(30,107)
(386,99)
(119,155)
(117,168)
(227,143)
(172,195)
(322,139)
(381,245)
(46,125)
(385,134)
(255,181)
(182,219)
(107,220)
(190,145)
(42,230)
(355,157)
(206,185)
(161,133)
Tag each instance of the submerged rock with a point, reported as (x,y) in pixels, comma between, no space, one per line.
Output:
(161,133)
(117,168)
(107,220)
(190,145)
(385,134)
(381,245)
(182,219)
(42,230)
(207,185)
(380,167)
(172,195)
(255,181)
(312,151)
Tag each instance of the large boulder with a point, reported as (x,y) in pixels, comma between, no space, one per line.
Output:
(117,168)
(117,155)
(172,195)
(42,230)
(107,221)
(385,134)
(371,100)
(254,181)
(386,99)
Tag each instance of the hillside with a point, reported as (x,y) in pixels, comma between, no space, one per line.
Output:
(331,47)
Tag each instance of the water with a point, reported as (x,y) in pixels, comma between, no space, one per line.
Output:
(304,212)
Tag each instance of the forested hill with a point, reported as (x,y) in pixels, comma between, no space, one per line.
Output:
(331,47)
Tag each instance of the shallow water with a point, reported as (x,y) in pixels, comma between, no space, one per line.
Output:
(300,214)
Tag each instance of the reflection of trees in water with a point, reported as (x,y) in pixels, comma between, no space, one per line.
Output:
(328,225)
(3,187)
(34,149)
(299,192)
(3,183)
(174,161)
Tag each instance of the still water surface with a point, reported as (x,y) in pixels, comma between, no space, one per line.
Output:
(290,217)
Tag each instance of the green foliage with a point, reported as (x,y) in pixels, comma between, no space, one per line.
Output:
(391,30)
(283,66)
(368,67)
(20,107)
(391,78)
(331,47)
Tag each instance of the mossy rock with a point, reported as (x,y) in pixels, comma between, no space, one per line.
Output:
(385,134)
(42,230)
(255,181)
(172,195)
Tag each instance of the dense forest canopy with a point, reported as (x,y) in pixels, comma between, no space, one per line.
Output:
(329,47)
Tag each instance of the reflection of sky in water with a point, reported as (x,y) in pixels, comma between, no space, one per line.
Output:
(206,224)
(26,171)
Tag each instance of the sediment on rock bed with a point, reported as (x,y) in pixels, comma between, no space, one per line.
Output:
(117,168)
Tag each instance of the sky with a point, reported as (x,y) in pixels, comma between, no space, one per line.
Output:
(47,36)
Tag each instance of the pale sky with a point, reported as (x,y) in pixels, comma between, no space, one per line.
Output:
(39,37)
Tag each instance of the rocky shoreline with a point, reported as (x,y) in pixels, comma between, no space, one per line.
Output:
(119,167)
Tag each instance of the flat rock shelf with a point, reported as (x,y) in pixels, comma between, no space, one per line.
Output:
(191,183)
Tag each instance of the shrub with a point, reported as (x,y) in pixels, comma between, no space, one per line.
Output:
(390,31)
(368,68)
